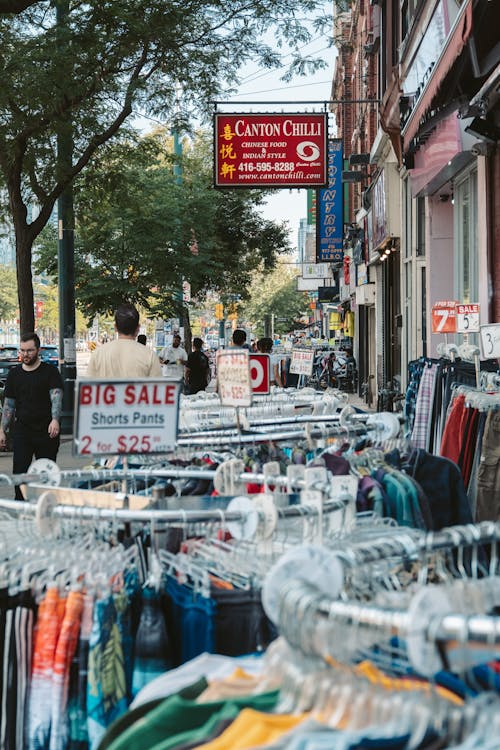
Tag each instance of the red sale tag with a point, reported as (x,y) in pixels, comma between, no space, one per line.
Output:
(444,317)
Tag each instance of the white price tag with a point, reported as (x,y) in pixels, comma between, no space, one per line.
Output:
(468,318)
(126,416)
(490,340)
(233,377)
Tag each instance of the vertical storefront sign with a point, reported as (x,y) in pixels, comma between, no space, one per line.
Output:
(329,225)
(270,150)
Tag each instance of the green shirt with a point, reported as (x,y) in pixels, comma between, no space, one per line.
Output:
(177,714)
(203,733)
(126,720)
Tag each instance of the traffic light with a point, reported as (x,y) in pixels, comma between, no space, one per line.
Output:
(219,311)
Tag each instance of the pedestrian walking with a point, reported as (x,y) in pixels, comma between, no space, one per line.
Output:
(32,408)
(124,357)
(198,368)
(240,338)
(174,358)
(142,339)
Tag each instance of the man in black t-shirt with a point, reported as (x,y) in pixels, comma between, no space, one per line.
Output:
(33,401)
(197,369)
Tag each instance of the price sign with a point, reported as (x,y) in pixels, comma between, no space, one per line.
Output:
(468,318)
(444,317)
(490,340)
(260,369)
(233,377)
(302,362)
(123,416)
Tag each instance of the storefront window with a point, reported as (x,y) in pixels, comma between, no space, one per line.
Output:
(465,202)
(420,227)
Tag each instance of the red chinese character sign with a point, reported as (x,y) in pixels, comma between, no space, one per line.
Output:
(271,150)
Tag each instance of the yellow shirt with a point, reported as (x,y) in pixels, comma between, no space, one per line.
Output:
(123,358)
(253,729)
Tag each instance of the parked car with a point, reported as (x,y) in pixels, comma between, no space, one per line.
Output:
(50,354)
(9,357)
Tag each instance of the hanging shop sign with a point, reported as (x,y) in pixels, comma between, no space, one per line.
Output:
(302,362)
(316,271)
(233,377)
(490,340)
(270,150)
(444,316)
(260,373)
(468,318)
(330,222)
(329,293)
(123,416)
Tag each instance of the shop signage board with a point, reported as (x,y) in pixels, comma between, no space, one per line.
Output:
(490,340)
(233,377)
(329,213)
(260,373)
(270,150)
(302,361)
(468,318)
(126,416)
(316,271)
(444,316)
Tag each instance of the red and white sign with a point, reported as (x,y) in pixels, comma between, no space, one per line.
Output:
(233,377)
(260,372)
(468,318)
(444,316)
(126,416)
(271,150)
(302,362)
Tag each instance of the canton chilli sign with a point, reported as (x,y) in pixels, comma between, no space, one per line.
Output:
(270,150)
(329,212)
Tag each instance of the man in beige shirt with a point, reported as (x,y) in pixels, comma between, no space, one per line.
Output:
(124,357)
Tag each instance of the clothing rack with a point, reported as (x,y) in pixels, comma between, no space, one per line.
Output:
(385,424)
(299,601)
(46,508)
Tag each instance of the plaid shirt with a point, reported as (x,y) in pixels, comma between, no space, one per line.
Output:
(423,408)
(415,370)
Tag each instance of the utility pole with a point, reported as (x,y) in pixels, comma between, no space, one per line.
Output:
(66,257)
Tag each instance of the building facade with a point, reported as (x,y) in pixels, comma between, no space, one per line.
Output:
(427,202)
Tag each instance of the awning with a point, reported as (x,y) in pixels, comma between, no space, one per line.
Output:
(453,48)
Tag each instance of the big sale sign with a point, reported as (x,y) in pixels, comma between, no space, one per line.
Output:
(126,416)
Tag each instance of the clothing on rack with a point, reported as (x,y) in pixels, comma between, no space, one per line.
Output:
(430,389)
(471,439)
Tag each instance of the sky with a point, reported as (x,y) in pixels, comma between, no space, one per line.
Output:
(266,86)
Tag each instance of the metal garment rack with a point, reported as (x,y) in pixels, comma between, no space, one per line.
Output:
(81,512)
(413,548)
(477,629)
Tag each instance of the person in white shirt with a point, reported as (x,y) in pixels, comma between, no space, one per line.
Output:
(174,358)
(124,357)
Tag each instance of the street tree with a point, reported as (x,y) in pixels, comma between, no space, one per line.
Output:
(8,296)
(274,293)
(75,73)
(141,231)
